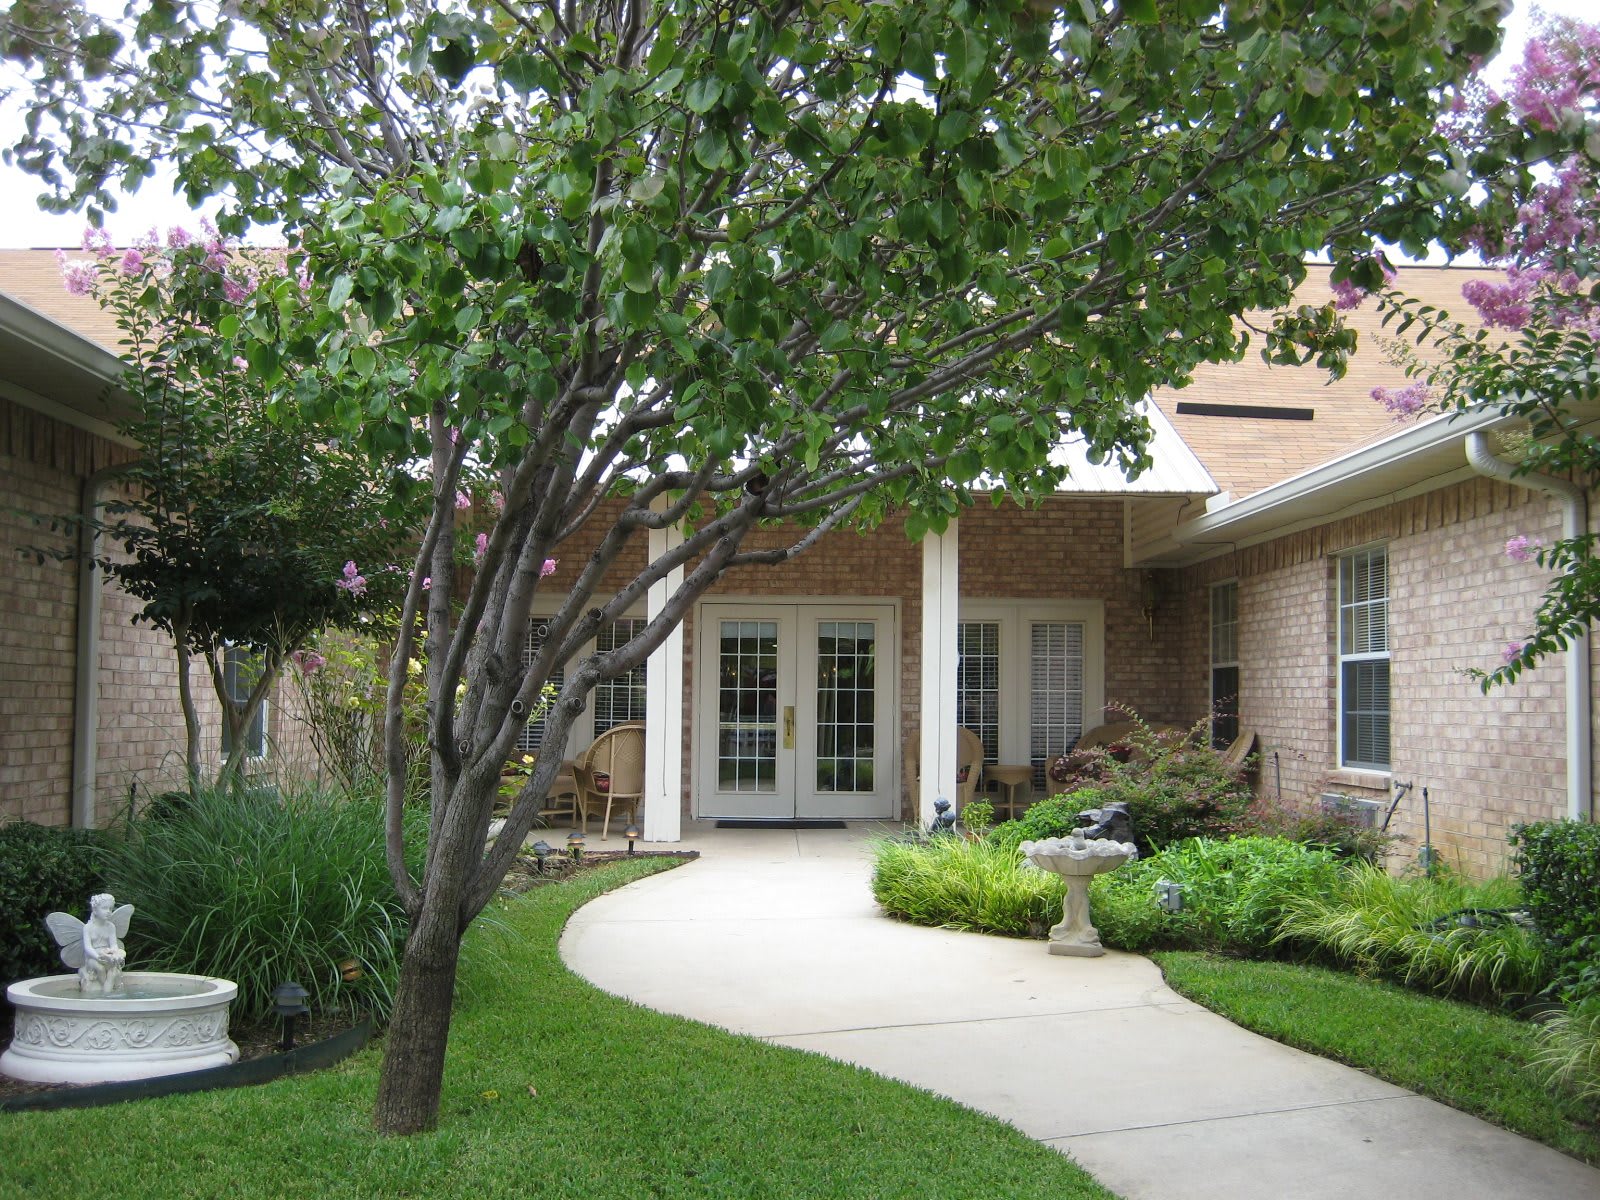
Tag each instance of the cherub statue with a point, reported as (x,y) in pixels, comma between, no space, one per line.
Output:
(92,946)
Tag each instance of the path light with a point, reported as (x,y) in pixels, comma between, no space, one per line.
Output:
(632,834)
(289,1002)
(541,851)
(575,844)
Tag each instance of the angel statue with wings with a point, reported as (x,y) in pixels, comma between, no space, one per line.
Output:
(93,946)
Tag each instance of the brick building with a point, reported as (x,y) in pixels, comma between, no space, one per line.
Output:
(1295,554)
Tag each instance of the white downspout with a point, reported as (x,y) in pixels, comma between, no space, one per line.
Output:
(86,685)
(1574,524)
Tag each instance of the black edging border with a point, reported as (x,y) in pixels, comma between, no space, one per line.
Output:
(298,1061)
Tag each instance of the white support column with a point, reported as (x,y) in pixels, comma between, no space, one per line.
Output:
(663,709)
(937,756)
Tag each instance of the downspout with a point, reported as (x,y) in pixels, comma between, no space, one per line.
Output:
(86,688)
(1574,524)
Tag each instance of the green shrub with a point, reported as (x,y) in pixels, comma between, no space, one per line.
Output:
(959,884)
(260,890)
(1442,934)
(1235,893)
(1052,818)
(43,869)
(1559,864)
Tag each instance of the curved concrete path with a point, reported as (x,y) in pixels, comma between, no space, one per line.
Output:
(775,934)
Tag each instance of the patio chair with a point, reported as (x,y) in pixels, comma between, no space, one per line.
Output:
(969,765)
(610,775)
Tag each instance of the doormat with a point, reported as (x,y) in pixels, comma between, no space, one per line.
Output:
(780,824)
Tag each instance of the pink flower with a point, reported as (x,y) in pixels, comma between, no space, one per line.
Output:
(549,567)
(480,547)
(353,582)
(1520,549)
(498,500)
(98,242)
(463,500)
(1403,402)
(178,237)
(1512,652)
(237,291)
(131,262)
(1347,295)
(309,661)
(427,583)
(302,277)
(79,278)
(240,363)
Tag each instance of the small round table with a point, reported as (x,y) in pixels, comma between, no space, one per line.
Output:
(1010,776)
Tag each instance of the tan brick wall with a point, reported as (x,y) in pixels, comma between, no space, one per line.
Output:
(1455,601)
(43,465)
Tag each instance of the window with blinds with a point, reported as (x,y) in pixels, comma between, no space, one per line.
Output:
(1224,663)
(978,683)
(620,700)
(1364,659)
(532,735)
(1056,673)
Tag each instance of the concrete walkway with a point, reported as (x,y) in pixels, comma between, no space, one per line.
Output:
(775,934)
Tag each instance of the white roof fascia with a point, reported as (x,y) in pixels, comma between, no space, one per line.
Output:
(1175,470)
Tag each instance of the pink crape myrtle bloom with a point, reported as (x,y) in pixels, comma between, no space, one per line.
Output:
(463,500)
(1403,402)
(178,237)
(1521,549)
(132,262)
(1512,652)
(79,278)
(353,582)
(548,568)
(308,661)
(98,242)
(480,547)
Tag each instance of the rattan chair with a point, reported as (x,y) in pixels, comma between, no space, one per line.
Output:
(610,775)
(969,765)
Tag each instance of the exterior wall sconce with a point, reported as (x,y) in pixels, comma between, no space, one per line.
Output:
(1149,599)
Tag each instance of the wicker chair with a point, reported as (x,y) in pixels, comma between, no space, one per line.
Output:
(610,775)
(969,765)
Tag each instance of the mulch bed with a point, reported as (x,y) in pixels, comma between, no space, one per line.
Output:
(261,1039)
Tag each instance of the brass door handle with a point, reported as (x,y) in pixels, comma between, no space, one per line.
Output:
(788,727)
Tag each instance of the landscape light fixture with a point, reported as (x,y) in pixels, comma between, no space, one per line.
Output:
(632,834)
(575,844)
(541,851)
(289,1002)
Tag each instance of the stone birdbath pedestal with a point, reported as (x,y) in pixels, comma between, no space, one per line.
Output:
(1076,859)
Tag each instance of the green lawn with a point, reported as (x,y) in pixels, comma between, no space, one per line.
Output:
(553,1089)
(1459,1054)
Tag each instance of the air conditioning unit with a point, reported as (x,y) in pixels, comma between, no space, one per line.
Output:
(1364,812)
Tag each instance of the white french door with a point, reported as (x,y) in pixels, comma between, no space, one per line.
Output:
(796,710)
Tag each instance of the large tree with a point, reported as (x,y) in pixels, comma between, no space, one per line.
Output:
(736,264)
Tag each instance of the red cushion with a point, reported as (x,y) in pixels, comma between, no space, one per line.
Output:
(602,782)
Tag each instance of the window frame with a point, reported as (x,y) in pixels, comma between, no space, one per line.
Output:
(583,730)
(1346,608)
(1221,735)
(256,735)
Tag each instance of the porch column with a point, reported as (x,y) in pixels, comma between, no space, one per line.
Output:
(663,708)
(937,754)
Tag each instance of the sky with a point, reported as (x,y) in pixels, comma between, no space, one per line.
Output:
(25,226)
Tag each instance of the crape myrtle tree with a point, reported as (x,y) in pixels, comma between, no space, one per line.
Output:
(723,266)
(1534,354)
(236,523)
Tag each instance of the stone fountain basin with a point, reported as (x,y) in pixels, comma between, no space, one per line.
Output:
(155,1023)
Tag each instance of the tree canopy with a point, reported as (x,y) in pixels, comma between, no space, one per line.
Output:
(799,264)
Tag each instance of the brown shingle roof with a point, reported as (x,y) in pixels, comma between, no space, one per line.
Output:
(1246,454)
(34,278)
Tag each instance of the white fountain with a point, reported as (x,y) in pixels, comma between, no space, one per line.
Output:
(106,1024)
(1077,859)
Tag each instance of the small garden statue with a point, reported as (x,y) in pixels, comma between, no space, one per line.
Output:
(94,946)
(944,821)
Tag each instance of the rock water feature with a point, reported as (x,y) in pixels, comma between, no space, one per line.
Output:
(107,1024)
(1077,858)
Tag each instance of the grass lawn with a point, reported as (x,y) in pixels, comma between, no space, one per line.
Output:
(1459,1054)
(553,1089)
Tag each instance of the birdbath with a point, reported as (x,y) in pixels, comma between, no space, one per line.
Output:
(1076,859)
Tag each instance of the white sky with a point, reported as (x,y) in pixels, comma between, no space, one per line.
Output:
(154,204)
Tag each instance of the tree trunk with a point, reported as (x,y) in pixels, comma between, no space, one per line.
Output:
(419,1029)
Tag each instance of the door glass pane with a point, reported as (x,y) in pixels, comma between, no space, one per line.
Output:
(1056,692)
(846,705)
(747,706)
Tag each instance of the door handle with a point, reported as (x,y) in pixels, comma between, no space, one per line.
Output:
(788,727)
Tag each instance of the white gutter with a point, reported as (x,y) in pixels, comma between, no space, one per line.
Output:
(86,688)
(1574,524)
